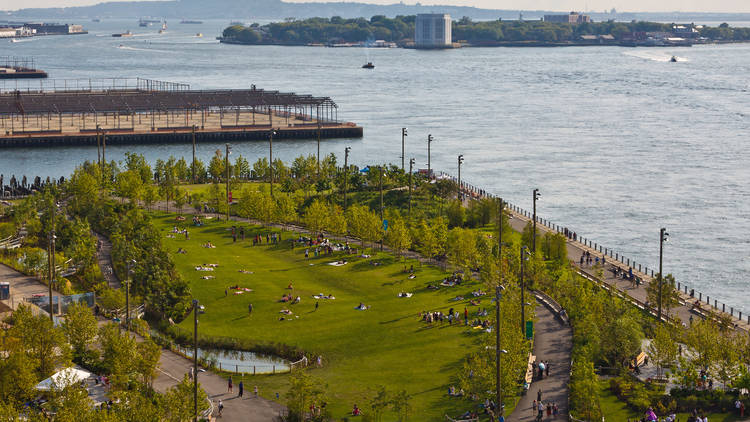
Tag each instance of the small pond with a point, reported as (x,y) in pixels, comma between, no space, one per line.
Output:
(239,361)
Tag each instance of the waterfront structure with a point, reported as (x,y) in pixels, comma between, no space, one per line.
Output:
(19,68)
(433,30)
(572,18)
(56,29)
(147,111)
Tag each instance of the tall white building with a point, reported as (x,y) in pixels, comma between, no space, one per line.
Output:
(433,31)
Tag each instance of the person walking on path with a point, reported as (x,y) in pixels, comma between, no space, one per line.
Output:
(255,390)
(316,306)
(546,368)
(221,407)
(229,384)
(540,411)
(533,408)
(250,309)
(242,389)
(539,396)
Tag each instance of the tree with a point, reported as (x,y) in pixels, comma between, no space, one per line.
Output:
(456,214)
(316,216)
(43,343)
(728,360)
(286,208)
(119,355)
(80,327)
(304,392)
(378,405)
(584,391)
(216,167)
(335,220)
(178,401)
(462,249)
(670,297)
(663,349)
(362,223)
(397,236)
(401,406)
(17,377)
(703,338)
(137,163)
(150,195)
(241,168)
(621,339)
(260,169)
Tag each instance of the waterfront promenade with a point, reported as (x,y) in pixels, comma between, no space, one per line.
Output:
(636,294)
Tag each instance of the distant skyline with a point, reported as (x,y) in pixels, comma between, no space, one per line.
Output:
(726,6)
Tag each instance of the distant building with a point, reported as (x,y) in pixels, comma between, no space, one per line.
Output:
(433,31)
(572,18)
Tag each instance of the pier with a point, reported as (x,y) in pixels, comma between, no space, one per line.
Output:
(19,68)
(143,111)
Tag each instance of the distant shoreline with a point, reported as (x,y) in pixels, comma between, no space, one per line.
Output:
(499,44)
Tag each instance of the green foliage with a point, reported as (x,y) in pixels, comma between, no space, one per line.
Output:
(456,214)
(584,391)
(44,344)
(305,392)
(663,349)
(670,297)
(80,328)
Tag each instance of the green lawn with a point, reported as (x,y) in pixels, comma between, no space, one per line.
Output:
(385,345)
(615,410)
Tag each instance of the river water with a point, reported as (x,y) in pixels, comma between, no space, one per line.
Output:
(619,141)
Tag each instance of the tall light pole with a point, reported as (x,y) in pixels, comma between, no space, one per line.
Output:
(524,255)
(429,163)
(380,170)
(98,147)
(130,264)
(460,161)
(499,399)
(346,172)
(270,158)
(226,165)
(193,166)
(195,359)
(411,171)
(51,263)
(533,238)
(403,147)
(318,147)
(662,238)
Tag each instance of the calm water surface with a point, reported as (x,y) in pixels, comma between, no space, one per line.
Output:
(619,141)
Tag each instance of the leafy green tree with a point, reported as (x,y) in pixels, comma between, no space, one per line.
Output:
(129,185)
(584,391)
(703,339)
(456,214)
(316,216)
(150,195)
(43,343)
(304,392)
(462,248)
(335,220)
(179,401)
(400,403)
(216,167)
(377,406)
(260,169)
(241,168)
(17,377)
(286,208)
(663,349)
(137,163)
(397,236)
(80,328)
(670,297)
(728,360)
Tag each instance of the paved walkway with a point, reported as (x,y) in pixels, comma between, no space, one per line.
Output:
(576,249)
(553,342)
(104,259)
(22,286)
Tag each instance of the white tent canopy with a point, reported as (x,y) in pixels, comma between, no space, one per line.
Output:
(63,378)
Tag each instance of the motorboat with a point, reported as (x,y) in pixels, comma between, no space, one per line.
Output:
(124,34)
(369,65)
(199,35)
(673,59)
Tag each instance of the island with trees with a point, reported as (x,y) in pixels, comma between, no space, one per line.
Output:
(338,31)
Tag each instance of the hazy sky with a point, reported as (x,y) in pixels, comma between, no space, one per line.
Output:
(563,5)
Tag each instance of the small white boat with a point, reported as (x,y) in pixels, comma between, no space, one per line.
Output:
(199,35)
(13,40)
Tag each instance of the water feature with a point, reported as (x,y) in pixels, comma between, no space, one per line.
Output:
(619,141)
(240,361)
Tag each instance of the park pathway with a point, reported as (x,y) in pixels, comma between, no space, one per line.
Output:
(104,259)
(553,342)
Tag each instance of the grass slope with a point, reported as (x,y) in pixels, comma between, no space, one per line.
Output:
(385,345)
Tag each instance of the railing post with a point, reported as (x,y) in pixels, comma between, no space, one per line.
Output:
(715,302)
(253,369)
(274,369)
(723,307)
(731,311)
(236,369)
(700,296)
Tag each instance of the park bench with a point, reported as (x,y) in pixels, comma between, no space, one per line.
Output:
(640,360)
(530,370)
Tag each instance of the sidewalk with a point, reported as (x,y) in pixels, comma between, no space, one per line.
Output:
(553,342)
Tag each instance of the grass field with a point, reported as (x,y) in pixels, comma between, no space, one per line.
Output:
(385,345)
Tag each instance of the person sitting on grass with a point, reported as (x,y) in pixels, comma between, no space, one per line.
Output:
(356,411)
(209,245)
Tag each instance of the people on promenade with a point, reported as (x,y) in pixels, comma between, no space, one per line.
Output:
(241,389)
(229,384)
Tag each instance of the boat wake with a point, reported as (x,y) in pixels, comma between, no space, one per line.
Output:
(656,56)
(125,47)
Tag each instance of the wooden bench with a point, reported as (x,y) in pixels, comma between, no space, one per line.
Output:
(530,369)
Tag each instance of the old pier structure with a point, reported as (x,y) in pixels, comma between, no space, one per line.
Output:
(141,111)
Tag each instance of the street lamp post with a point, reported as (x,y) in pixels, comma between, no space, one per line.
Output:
(429,163)
(346,173)
(318,147)
(193,165)
(524,255)
(51,263)
(499,399)
(662,238)
(533,242)
(380,171)
(130,265)
(460,161)
(226,164)
(411,170)
(270,158)
(403,147)
(98,147)
(195,358)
